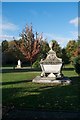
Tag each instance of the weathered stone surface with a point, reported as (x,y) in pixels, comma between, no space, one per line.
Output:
(19,64)
(52,64)
(51,70)
(39,79)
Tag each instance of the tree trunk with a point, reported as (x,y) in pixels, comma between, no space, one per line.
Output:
(31,64)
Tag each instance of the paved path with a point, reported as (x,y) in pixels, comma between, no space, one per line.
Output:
(41,115)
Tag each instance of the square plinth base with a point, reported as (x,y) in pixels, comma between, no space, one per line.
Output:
(40,79)
(18,66)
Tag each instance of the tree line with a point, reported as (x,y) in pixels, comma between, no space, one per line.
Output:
(31,48)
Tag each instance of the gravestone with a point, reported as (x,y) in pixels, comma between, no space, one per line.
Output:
(19,64)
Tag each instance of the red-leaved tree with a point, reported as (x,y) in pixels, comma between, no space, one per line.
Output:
(28,45)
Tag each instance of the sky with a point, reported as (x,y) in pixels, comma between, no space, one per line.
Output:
(57,20)
(40,0)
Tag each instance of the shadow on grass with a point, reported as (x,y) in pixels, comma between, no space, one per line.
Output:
(75,79)
(20,70)
(43,97)
(59,99)
(27,69)
(67,69)
(16,82)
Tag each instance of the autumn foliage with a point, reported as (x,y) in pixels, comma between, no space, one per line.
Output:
(30,48)
(28,45)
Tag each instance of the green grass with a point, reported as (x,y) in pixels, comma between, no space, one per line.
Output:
(20,92)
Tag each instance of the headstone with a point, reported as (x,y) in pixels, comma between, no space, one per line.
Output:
(19,64)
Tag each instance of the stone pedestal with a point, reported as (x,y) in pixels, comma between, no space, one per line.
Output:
(51,75)
(63,81)
(18,66)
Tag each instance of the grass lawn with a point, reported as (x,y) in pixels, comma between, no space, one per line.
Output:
(19,92)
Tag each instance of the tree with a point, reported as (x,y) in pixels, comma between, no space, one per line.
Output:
(71,49)
(56,48)
(65,57)
(44,50)
(4,45)
(77,64)
(16,53)
(42,54)
(28,45)
(78,40)
(77,58)
(11,53)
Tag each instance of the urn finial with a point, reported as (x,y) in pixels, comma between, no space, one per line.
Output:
(51,45)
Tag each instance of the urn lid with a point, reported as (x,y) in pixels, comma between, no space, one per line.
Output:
(51,57)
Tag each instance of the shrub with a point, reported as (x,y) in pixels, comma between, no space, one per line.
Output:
(77,64)
(36,64)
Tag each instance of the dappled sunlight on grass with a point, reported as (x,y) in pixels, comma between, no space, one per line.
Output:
(19,91)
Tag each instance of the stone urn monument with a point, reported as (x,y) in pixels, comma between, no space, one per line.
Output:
(51,66)
(51,69)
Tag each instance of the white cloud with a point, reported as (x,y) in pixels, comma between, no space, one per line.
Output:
(74,33)
(8,37)
(75,21)
(8,26)
(60,39)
